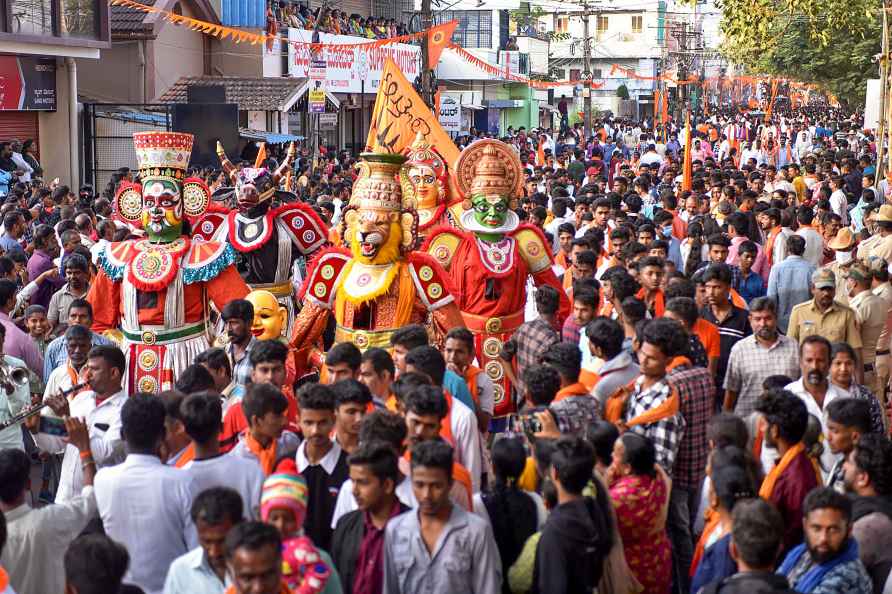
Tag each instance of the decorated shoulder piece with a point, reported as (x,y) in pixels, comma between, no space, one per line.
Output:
(206,260)
(306,228)
(208,226)
(441,243)
(431,281)
(115,257)
(533,247)
(323,277)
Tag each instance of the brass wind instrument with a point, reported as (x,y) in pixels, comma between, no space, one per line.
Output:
(36,408)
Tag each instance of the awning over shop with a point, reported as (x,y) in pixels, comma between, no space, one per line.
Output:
(548,107)
(270,137)
(472,106)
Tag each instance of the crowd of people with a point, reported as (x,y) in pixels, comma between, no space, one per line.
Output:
(337,22)
(711,415)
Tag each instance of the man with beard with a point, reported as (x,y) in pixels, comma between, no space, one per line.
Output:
(867,475)
(824,316)
(828,559)
(755,358)
(782,423)
(238,316)
(814,387)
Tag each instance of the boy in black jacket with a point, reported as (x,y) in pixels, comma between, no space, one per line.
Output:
(577,537)
(358,541)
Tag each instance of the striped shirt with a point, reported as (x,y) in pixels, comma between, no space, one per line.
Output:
(732,329)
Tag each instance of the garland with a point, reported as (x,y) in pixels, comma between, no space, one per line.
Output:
(502,71)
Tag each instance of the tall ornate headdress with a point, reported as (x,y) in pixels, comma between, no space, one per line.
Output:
(162,157)
(377,188)
(489,167)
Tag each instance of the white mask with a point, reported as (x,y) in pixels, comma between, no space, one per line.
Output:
(843,257)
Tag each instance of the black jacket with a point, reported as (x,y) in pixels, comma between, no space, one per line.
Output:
(751,582)
(570,556)
(345,544)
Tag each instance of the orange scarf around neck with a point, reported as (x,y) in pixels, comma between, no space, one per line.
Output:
(267,455)
(712,520)
(771,480)
(187,456)
(577,389)
(613,409)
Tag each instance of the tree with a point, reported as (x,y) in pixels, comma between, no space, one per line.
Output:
(842,67)
(622,92)
(754,26)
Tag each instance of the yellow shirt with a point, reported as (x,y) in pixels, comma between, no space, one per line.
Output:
(837,324)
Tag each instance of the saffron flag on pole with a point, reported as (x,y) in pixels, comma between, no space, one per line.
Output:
(399,115)
(686,176)
(437,38)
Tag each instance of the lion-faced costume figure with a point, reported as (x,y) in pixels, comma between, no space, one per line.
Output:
(379,283)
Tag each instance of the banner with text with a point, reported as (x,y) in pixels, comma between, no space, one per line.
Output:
(347,69)
(450,112)
(27,83)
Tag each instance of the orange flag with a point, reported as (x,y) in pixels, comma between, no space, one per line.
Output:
(658,108)
(399,114)
(686,175)
(261,155)
(437,38)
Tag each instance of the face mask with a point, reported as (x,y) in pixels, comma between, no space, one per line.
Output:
(666,231)
(843,257)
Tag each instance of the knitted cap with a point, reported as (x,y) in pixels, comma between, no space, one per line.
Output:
(285,489)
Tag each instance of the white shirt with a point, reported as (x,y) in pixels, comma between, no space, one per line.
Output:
(37,540)
(814,245)
(328,461)
(838,203)
(20,162)
(104,426)
(467,441)
(145,506)
(192,574)
(346,503)
(236,472)
(828,458)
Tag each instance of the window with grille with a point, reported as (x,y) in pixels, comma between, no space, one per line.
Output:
(637,24)
(601,25)
(561,23)
(474,26)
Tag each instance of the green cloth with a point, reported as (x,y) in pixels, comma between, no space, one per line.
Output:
(520,576)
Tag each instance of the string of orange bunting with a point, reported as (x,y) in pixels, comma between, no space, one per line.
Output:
(241,36)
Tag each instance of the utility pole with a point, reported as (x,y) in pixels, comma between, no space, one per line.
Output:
(426,22)
(884,95)
(586,74)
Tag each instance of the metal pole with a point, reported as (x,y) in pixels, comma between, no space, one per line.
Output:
(587,76)
(362,131)
(426,23)
(884,81)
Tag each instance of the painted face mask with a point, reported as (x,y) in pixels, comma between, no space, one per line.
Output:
(162,214)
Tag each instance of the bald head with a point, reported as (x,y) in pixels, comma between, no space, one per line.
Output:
(83,222)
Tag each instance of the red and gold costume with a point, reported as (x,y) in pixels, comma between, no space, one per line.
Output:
(157,289)
(425,179)
(379,284)
(270,230)
(489,264)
